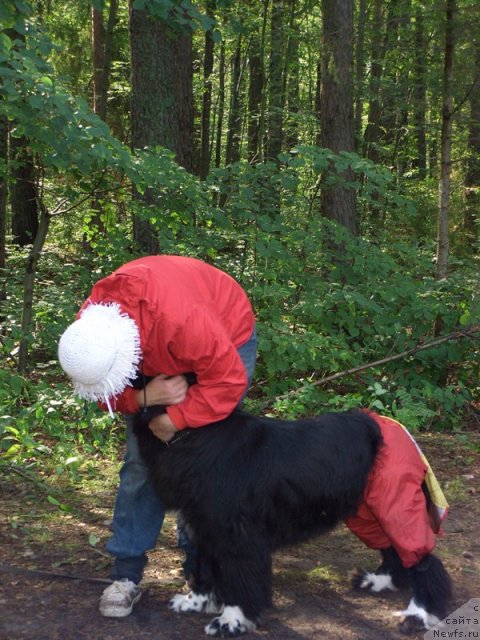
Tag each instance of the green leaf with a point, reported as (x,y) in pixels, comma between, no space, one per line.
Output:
(46,81)
(465,318)
(60,505)
(93,540)
(216,36)
(5,42)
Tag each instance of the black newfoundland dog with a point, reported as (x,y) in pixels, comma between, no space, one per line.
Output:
(248,485)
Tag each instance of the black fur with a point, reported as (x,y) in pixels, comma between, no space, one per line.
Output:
(429,580)
(431,585)
(391,566)
(246,486)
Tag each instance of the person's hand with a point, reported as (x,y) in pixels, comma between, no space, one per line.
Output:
(162,427)
(163,390)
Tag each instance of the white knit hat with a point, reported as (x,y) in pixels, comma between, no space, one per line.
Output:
(100,352)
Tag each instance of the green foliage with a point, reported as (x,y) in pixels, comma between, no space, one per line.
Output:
(325,302)
(62,129)
(337,317)
(179,14)
(42,426)
(45,429)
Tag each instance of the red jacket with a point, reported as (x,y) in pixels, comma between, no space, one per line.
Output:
(191,317)
(393,511)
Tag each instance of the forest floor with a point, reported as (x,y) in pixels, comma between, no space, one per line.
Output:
(312,594)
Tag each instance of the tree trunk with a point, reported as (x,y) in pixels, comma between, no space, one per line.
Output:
(318,103)
(107,58)
(420,96)
(446,144)
(291,75)
(22,185)
(255,92)
(221,106)
(28,290)
(360,70)
(162,98)
(396,88)
(3,188)
(98,46)
(101,56)
(232,153)
(471,218)
(336,94)
(276,96)
(23,193)
(389,108)
(207,97)
(102,42)
(372,130)
(3,203)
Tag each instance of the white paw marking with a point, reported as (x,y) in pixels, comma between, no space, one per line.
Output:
(377,582)
(428,619)
(231,621)
(213,606)
(181,603)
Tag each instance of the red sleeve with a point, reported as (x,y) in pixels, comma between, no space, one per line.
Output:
(124,403)
(203,347)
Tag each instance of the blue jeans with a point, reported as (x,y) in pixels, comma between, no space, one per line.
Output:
(138,514)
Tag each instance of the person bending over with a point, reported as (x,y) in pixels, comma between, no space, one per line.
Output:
(157,318)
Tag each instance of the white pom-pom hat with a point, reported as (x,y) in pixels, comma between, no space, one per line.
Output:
(100,352)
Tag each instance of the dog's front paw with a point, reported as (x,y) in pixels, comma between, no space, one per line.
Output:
(181,603)
(231,623)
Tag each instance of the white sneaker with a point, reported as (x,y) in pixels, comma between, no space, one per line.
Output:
(118,599)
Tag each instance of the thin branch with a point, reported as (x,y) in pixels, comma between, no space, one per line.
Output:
(58,211)
(49,575)
(26,475)
(466,96)
(468,332)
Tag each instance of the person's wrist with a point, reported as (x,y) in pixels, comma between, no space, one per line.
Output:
(140,398)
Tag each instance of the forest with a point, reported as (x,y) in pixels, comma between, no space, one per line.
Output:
(325,154)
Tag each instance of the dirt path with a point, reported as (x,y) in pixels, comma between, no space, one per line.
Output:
(313,599)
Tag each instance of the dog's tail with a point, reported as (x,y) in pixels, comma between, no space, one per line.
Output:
(374,432)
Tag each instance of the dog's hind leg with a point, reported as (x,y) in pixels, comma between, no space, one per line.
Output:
(432,593)
(390,575)
(243,579)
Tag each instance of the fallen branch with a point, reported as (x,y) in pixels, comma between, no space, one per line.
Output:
(468,332)
(49,575)
(53,575)
(27,475)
